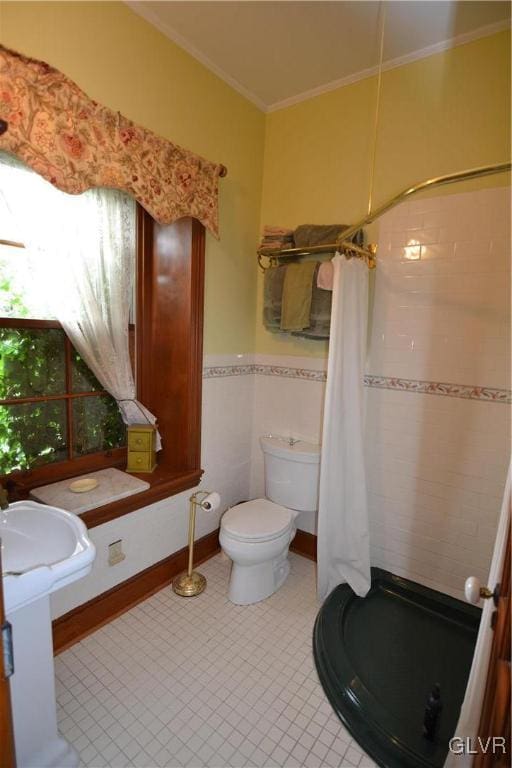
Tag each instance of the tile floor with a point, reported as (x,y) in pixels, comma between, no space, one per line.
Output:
(202,682)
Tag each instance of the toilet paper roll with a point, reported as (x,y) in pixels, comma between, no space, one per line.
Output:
(212,502)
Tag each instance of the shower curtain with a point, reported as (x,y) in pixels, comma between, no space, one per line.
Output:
(469,718)
(343,540)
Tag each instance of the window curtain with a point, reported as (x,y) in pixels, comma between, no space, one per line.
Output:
(83,254)
(77,144)
(343,537)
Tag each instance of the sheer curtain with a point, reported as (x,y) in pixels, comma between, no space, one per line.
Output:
(343,539)
(83,252)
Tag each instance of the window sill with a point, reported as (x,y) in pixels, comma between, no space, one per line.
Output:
(162,485)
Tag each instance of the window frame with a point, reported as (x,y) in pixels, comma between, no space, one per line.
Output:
(168,352)
(46,473)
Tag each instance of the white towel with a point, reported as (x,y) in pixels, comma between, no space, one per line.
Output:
(325,276)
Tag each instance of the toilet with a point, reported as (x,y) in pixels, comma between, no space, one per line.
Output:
(256,534)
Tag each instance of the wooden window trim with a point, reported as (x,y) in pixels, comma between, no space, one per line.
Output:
(24,480)
(169,348)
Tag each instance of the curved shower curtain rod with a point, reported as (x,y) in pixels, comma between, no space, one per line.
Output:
(343,242)
(437,181)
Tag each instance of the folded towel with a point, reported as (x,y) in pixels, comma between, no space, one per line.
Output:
(297,292)
(272,297)
(281,231)
(325,276)
(276,237)
(317,234)
(320,317)
(275,245)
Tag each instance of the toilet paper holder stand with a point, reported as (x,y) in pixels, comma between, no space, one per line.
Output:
(191,582)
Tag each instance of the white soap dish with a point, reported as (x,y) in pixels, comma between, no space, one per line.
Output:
(83,485)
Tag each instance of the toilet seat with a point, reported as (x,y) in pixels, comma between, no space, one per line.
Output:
(256,521)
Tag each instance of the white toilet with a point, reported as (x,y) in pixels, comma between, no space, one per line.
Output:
(256,534)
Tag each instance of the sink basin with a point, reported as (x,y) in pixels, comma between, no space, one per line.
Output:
(43,549)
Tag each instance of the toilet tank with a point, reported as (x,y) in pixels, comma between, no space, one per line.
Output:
(292,471)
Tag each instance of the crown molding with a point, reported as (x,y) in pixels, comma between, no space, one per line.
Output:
(140,8)
(399,61)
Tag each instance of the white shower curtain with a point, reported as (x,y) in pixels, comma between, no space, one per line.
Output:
(343,540)
(469,718)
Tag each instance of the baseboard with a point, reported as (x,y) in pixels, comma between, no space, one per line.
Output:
(304,544)
(81,621)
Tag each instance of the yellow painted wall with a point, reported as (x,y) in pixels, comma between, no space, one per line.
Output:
(438,115)
(123,62)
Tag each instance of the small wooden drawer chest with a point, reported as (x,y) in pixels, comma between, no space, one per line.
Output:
(141,448)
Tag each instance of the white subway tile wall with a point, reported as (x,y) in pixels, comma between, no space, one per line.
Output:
(442,290)
(436,464)
(290,408)
(441,312)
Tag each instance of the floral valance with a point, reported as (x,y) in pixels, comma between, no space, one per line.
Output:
(75,143)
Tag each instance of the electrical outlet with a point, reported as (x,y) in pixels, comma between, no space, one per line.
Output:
(115,552)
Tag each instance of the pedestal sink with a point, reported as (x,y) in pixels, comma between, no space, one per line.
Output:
(43,549)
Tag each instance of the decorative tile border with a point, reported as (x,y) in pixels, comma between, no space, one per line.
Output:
(306,374)
(464,391)
(221,371)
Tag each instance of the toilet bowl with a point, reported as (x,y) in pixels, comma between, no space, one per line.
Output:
(256,534)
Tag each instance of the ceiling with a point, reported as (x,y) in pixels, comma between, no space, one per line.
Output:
(278,53)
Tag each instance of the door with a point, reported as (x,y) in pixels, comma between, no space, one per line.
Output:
(495,720)
(7,757)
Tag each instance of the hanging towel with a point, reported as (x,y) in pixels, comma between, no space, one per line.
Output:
(273,296)
(320,318)
(297,294)
(325,276)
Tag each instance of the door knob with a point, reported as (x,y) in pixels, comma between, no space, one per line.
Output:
(473,591)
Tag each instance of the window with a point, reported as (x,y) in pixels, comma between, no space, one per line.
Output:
(53,410)
(55,419)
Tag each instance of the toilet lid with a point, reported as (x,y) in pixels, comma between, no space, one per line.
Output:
(257,520)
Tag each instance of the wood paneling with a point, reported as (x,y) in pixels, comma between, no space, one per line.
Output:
(304,544)
(169,335)
(81,621)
